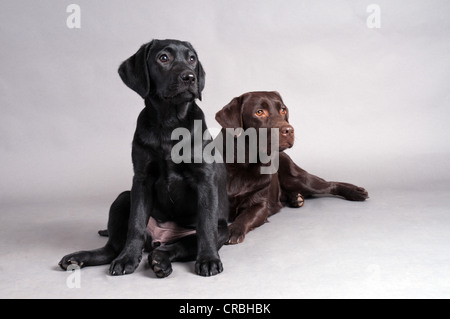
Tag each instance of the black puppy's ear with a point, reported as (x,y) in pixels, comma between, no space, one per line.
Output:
(230,116)
(134,71)
(201,79)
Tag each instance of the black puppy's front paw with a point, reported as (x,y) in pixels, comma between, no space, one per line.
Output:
(208,267)
(124,265)
(79,259)
(160,263)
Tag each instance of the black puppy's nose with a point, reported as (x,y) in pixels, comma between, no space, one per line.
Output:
(187,76)
(287,130)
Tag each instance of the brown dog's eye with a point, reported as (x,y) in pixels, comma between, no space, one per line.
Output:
(164,58)
(283,111)
(259,113)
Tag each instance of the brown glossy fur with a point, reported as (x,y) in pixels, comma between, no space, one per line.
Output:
(254,196)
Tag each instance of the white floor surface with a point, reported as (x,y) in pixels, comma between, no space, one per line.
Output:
(395,245)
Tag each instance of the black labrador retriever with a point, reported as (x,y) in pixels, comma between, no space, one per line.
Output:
(178,211)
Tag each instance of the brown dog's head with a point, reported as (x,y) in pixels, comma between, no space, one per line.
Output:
(258,110)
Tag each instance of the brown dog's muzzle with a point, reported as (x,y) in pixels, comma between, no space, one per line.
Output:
(286,137)
(287,131)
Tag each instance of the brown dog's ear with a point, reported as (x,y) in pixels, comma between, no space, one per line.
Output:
(134,71)
(230,116)
(276,93)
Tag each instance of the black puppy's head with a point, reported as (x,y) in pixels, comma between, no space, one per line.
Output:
(166,69)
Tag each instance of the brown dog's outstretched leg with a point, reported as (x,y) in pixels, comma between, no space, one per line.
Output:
(293,179)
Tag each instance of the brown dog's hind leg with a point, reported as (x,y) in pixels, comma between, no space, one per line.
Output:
(293,179)
(350,192)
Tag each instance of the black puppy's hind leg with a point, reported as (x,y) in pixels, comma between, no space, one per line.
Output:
(117,230)
(161,258)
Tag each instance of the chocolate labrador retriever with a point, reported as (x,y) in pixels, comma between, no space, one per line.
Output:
(255,196)
(177,210)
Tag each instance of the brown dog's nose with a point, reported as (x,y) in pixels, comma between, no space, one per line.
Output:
(187,76)
(287,130)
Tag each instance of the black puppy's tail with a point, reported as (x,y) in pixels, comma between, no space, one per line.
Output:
(103,233)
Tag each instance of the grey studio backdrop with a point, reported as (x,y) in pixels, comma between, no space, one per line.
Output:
(370,106)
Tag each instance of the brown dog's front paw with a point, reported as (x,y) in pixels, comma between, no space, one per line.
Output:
(296,200)
(237,234)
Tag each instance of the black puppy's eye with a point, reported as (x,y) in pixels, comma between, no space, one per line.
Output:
(163,58)
(192,59)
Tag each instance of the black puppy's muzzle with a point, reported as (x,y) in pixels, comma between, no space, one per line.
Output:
(182,86)
(187,82)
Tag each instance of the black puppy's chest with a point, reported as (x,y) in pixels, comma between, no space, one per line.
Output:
(175,197)
(169,177)
(156,139)
(171,186)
